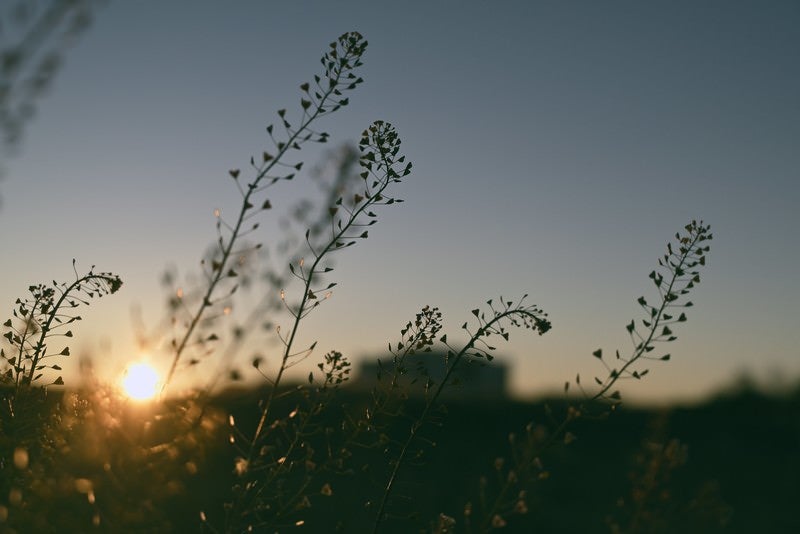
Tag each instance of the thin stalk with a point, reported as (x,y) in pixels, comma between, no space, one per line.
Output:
(332,245)
(677,271)
(423,417)
(246,206)
(23,339)
(655,324)
(371,197)
(46,327)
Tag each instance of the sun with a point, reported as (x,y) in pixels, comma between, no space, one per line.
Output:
(140,381)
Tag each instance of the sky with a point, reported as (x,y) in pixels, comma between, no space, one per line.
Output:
(557,147)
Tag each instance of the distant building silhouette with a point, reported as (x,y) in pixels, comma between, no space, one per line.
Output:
(473,378)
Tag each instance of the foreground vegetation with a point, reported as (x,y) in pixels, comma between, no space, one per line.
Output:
(315,456)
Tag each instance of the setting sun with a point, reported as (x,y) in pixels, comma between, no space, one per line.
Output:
(140,381)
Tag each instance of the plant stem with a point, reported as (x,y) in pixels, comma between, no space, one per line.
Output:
(655,324)
(423,417)
(246,205)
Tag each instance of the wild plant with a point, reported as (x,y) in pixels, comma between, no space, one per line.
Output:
(653,503)
(321,99)
(350,218)
(495,323)
(33,37)
(302,445)
(45,316)
(38,322)
(677,274)
(281,464)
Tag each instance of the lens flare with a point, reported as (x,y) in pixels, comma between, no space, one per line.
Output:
(140,381)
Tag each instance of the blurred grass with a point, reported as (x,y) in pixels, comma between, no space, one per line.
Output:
(743,466)
(742,472)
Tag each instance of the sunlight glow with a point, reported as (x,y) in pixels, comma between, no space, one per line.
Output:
(140,381)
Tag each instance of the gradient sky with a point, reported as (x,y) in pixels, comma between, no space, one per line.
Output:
(557,147)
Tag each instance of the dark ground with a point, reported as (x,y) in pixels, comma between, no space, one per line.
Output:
(741,471)
(729,465)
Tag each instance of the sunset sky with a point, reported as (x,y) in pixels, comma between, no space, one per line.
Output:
(557,147)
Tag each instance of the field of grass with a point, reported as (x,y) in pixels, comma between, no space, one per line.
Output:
(728,465)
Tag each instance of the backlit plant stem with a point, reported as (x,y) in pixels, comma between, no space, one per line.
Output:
(486,329)
(252,188)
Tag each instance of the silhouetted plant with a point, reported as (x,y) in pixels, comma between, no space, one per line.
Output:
(321,99)
(678,272)
(495,324)
(43,316)
(25,417)
(33,37)
(382,167)
(300,444)
(653,504)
